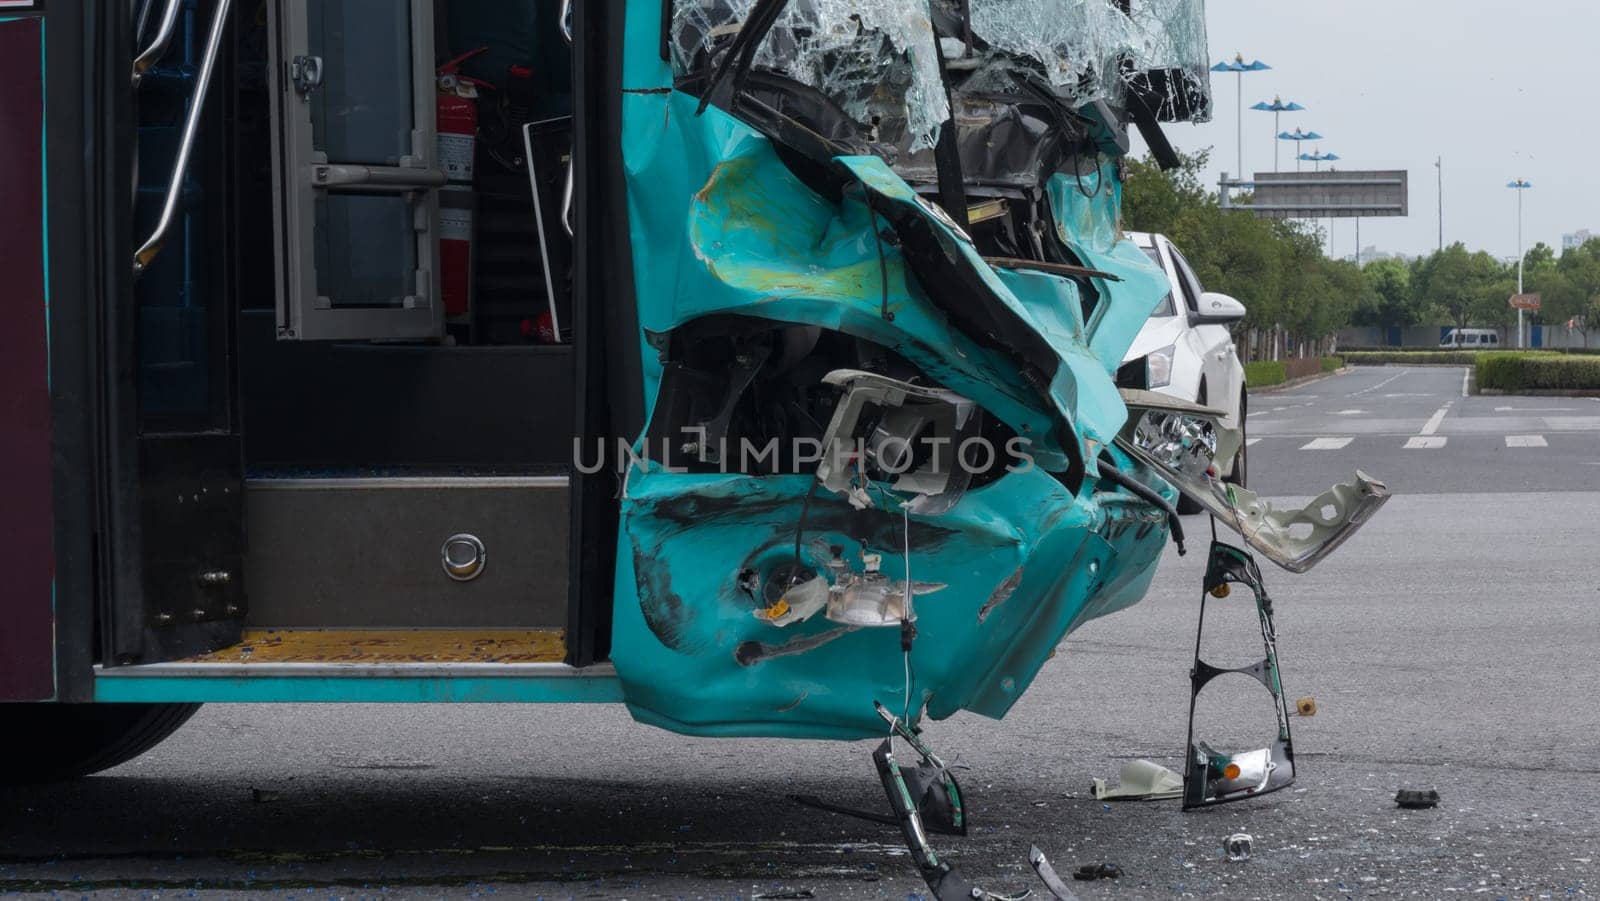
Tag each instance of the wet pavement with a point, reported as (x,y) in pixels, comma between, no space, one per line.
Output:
(1450,645)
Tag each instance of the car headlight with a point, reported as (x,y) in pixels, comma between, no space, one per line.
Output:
(1159,366)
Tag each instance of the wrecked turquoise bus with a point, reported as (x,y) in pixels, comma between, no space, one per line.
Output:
(755,364)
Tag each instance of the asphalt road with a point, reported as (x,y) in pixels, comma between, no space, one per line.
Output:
(1430,437)
(1450,645)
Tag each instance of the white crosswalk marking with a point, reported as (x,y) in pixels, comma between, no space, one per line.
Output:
(1432,424)
(1426,442)
(1326,443)
(1526,441)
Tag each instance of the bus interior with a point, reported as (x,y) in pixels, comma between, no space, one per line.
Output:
(365,295)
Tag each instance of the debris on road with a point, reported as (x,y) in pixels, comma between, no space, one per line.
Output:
(1417,799)
(1306,706)
(1141,780)
(1089,872)
(264,795)
(1047,874)
(1237,846)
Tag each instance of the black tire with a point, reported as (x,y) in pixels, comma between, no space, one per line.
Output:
(54,742)
(1241,460)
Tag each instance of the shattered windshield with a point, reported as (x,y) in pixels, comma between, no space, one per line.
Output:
(879,60)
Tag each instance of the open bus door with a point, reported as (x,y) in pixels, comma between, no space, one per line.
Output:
(173,455)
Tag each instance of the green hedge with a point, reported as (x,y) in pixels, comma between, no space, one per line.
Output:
(1358,349)
(1262,373)
(1447,357)
(1519,371)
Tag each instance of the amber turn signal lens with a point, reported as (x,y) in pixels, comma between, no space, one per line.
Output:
(1231,771)
(1221,591)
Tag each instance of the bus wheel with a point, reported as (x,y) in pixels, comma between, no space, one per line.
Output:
(52,742)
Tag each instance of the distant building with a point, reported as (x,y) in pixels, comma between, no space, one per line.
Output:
(1371,254)
(1576,239)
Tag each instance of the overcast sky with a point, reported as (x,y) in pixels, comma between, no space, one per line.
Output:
(1501,90)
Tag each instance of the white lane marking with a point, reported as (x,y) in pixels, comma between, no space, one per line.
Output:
(1526,441)
(1255,413)
(1535,409)
(1409,395)
(1434,420)
(1421,442)
(1350,413)
(1326,443)
(1250,442)
(1465,372)
(1379,385)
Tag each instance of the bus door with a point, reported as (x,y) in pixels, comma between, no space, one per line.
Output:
(174,547)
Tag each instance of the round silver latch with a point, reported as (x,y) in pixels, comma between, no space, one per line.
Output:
(463,557)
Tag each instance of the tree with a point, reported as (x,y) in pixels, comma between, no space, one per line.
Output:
(1276,268)
(1571,289)
(1394,301)
(1462,286)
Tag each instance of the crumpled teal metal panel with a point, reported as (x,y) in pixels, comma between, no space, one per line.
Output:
(721,226)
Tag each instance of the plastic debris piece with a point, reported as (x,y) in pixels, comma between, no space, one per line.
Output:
(264,795)
(1417,799)
(1237,846)
(1306,706)
(1047,874)
(1141,780)
(785,894)
(1089,872)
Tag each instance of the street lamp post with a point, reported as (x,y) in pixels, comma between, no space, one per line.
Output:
(1439,164)
(1238,66)
(1319,158)
(1277,108)
(1297,136)
(1520,185)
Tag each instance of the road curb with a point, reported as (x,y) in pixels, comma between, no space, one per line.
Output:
(1296,383)
(1538,392)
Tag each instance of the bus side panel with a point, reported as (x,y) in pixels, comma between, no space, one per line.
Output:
(27,626)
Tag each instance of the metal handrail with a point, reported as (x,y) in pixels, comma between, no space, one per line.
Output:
(565,19)
(158,44)
(202,83)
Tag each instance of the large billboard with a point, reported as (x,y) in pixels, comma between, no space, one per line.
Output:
(1329,195)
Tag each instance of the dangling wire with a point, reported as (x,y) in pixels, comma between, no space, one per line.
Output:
(799,530)
(908,631)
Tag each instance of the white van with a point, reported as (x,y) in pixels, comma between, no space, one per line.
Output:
(1471,338)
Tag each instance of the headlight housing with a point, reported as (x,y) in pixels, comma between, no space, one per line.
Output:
(1158,366)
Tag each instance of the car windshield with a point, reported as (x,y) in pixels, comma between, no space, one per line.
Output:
(1165,307)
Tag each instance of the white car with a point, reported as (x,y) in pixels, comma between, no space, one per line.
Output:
(1186,347)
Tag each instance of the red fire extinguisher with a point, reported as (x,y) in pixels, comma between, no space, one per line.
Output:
(457,124)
